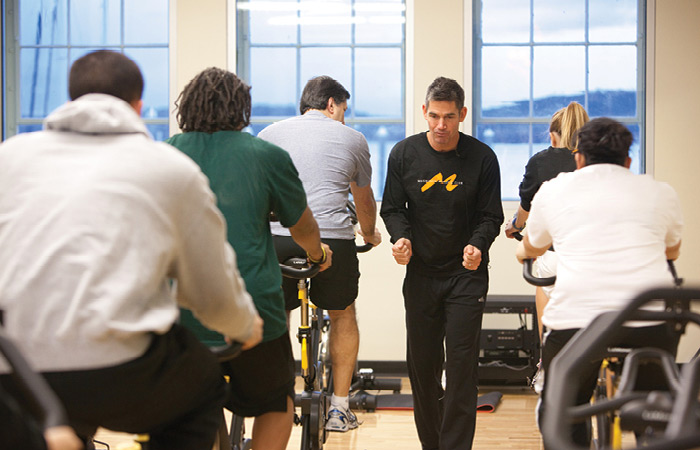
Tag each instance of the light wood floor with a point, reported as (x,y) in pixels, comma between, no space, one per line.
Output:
(511,426)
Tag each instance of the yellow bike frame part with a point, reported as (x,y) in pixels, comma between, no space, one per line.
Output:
(617,434)
(304,356)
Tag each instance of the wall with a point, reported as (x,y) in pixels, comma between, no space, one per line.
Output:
(440,45)
(198,39)
(676,116)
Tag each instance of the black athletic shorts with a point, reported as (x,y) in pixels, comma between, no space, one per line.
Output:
(261,378)
(333,289)
(175,391)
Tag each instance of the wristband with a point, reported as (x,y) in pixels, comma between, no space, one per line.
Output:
(515,226)
(322,260)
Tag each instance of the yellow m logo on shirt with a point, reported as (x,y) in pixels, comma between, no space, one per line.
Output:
(449,181)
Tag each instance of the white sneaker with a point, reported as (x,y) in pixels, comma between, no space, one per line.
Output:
(537,381)
(341,419)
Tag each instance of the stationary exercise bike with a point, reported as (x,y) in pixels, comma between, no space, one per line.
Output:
(45,408)
(316,364)
(672,417)
(668,419)
(314,399)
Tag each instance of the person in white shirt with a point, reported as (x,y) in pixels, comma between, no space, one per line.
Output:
(613,232)
(96,219)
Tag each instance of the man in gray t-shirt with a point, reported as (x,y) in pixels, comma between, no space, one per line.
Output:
(332,160)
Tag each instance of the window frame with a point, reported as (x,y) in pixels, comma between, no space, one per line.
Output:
(473,67)
(239,62)
(11,101)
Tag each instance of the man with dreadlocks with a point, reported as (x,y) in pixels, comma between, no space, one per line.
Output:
(333,159)
(250,178)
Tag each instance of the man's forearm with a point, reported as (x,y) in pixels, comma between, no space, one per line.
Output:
(397,226)
(366,208)
(521,217)
(368,219)
(394,215)
(488,216)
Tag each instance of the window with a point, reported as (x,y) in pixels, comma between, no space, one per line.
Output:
(44,37)
(534,57)
(360,43)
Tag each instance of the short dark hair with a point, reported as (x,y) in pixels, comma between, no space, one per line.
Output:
(604,141)
(214,100)
(106,72)
(445,90)
(317,92)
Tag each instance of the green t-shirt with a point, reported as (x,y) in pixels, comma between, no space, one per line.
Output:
(250,178)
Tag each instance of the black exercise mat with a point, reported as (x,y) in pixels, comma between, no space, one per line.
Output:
(488,402)
(395,401)
(485,403)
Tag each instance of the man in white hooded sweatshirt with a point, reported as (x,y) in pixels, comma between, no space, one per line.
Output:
(96,219)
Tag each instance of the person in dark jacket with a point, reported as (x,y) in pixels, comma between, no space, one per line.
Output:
(442,208)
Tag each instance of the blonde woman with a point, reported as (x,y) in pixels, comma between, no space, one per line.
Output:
(543,166)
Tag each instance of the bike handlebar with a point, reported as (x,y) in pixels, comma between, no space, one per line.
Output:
(364,248)
(672,268)
(299,268)
(527,270)
(532,279)
(353,218)
(549,281)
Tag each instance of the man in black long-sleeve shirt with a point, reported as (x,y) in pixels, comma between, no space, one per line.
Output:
(442,208)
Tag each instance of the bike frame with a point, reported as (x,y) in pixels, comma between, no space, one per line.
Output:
(314,399)
(613,389)
(587,345)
